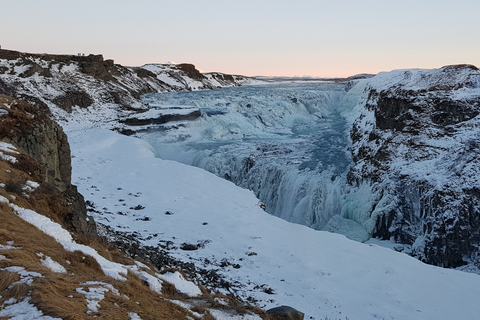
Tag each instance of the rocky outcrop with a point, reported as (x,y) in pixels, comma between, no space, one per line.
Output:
(191,71)
(41,138)
(285,313)
(44,140)
(415,143)
(162,118)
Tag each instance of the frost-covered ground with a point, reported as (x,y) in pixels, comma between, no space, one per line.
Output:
(269,259)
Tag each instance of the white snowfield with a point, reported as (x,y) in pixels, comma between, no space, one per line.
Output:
(273,261)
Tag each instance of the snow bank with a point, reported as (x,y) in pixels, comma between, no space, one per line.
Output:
(7,147)
(182,285)
(53,265)
(62,236)
(23,311)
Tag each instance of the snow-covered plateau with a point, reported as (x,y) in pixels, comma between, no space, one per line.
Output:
(390,160)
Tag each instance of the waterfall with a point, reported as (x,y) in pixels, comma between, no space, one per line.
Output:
(286,143)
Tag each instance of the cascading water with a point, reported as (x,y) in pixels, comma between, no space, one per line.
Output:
(286,142)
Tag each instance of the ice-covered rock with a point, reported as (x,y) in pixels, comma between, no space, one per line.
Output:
(415,147)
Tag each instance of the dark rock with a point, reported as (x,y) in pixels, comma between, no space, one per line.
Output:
(191,71)
(94,65)
(7,89)
(162,119)
(44,140)
(285,313)
(35,68)
(189,247)
(144,73)
(72,98)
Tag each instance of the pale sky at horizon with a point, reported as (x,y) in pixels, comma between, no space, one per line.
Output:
(252,37)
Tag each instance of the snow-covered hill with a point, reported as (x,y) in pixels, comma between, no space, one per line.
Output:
(53,265)
(99,90)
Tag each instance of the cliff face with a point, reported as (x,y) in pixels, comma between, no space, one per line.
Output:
(28,128)
(415,143)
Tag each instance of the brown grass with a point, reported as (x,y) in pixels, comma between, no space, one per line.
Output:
(55,294)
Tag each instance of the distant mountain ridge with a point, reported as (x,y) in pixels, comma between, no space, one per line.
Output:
(61,83)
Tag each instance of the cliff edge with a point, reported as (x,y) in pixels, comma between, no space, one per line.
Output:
(415,145)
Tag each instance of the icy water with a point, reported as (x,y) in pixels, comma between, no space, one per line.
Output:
(287,143)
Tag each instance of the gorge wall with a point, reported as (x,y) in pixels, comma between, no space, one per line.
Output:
(415,144)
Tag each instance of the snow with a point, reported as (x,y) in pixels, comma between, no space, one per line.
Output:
(3,199)
(227,315)
(26,277)
(182,285)
(154,283)
(24,311)
(62,236)
(7,147)
(30,186)
(276,262)
(94,292)
(134,316)
(53,265)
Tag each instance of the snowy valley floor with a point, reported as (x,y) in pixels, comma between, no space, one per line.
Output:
(275,262)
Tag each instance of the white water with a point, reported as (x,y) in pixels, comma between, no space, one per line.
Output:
(288,143)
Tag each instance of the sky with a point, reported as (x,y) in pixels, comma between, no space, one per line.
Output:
(252,37)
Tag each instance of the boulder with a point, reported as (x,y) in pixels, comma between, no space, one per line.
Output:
(285,313)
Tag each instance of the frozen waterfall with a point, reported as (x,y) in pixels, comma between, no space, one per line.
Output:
(286,142)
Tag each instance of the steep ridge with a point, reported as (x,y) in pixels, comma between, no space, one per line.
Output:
(416,152)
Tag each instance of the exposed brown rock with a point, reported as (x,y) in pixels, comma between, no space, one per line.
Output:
(44,140)
(191,71)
